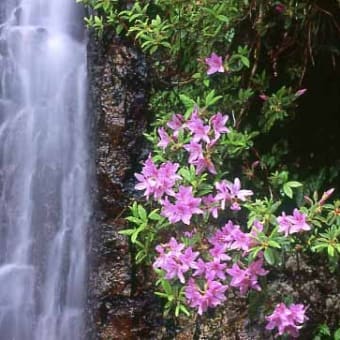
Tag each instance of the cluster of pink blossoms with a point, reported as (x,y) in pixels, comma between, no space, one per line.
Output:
(184,207)
(247,278)
(288,320)
(178,202)
(203,137)
(211,295)
(231,237)
(157,181)
(175,259)
(291,224)
(206,281)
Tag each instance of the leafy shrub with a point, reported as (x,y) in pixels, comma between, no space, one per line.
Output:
(247,59)
(223,237)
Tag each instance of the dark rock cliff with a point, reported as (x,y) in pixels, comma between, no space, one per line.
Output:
(118,85)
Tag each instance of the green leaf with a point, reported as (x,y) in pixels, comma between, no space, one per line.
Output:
(269,256)
(186,174)
(161,294)
(140,256)
(324,330)
(274,244)
(254,252)
(187,101)
(134,219)
(127,232)
(211,99)
(294,184)
(330,250)
(245,61)
(177,310)
(287,190)
(206,82)
(166,286)
(134,209)
(319,246)
(154,216)
(142,213)
(184,310)
(136,232)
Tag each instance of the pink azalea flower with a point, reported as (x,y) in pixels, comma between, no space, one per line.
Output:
(214,63)
(175,269)
(164,138)
(202,164)
(211,205)
(300,92)
(288,320)
(195,151)
(150,168)
(240,278)
(215,269)
(175,259)
(242,241)
(280,8)
(232,193)
(188,257)
(264,97)
(190,234)
(256,268)
(218,252)
(326,195)
(148,179)
(183,209)
(230,237)
(199,268)
(176,212)
(284,223)
(235,206)
(197,128)
(166,180)
(223,193)
(298,221)
(246,279)
(224,236)
(218,122)
(211,295)
(176,123)
(174,246)
(292,224)
(236,192)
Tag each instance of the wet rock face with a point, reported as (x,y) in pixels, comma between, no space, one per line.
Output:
(118,83)
(121,123)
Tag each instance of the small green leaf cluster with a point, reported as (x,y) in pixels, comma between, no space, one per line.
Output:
(324,333)
(144,228)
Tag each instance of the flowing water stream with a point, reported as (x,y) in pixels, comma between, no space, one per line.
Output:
(44,195)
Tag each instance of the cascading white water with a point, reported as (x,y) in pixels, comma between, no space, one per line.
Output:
(44,196)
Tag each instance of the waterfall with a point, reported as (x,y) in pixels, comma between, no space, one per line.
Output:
(44,161)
